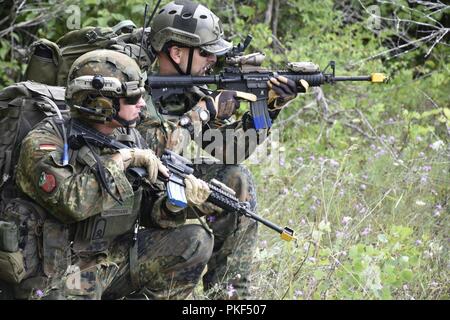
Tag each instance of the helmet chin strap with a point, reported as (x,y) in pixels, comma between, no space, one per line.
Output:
(177,66)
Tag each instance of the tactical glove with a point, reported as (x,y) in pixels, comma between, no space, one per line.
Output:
(283,90)
(197,191)
(144,158)
(222,104)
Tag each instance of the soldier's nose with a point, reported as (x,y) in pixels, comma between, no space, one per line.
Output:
(141,103)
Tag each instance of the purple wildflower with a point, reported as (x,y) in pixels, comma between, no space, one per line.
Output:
(346,220)
(334,163)
(365,232)
(298,293)
(340,234)
(299,159)
(231,291)
(391,140)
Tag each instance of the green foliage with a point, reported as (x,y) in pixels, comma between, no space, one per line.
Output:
(363,179)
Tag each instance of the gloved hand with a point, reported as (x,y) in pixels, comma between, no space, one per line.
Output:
(197,191)
(144,158)
(282,90)
(222,104)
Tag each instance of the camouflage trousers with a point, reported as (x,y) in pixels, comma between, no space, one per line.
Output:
(230,266)
(169,265)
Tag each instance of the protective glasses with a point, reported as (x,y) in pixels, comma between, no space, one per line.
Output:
(204,53)
(132,99)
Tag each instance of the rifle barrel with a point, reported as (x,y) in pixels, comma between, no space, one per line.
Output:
(286,233)
(265,222)
(353,78)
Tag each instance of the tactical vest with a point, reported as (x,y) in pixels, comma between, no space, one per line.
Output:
(96,234)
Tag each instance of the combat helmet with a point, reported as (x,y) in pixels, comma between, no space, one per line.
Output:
(97,80)
(191,24)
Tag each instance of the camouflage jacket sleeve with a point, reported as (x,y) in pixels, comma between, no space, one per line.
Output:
(155,212)
(71,193)
(232,142)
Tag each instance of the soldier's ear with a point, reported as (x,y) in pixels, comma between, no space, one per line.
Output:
(176,53)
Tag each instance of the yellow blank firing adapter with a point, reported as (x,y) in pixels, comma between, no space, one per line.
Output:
(288,234)
(379,77)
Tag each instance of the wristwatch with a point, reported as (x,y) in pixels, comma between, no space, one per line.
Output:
(185,121)
(203,114)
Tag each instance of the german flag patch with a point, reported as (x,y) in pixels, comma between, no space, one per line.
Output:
(47,147)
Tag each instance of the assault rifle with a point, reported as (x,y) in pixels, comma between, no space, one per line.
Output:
(221,195)
(244,73)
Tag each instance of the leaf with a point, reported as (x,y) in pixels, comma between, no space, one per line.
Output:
(446,112)
(325,226)
(386,293)
(319,274)
(382,238)
(353,252)
(246,11)
(406,275)
(118,16)
(316,235)
(358,265)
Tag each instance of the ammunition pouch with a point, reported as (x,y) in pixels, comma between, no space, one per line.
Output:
(95,235)
(12,269)
(56,248)
(21,238)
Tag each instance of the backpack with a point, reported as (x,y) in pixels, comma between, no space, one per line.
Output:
(22,106)
(56,58)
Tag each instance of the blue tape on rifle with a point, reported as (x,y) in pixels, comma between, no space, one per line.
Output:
(176,195)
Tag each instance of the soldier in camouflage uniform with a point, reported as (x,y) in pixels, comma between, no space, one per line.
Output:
(187,38)
(103,236)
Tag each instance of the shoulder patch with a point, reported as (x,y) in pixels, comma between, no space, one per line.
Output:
(47,182)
